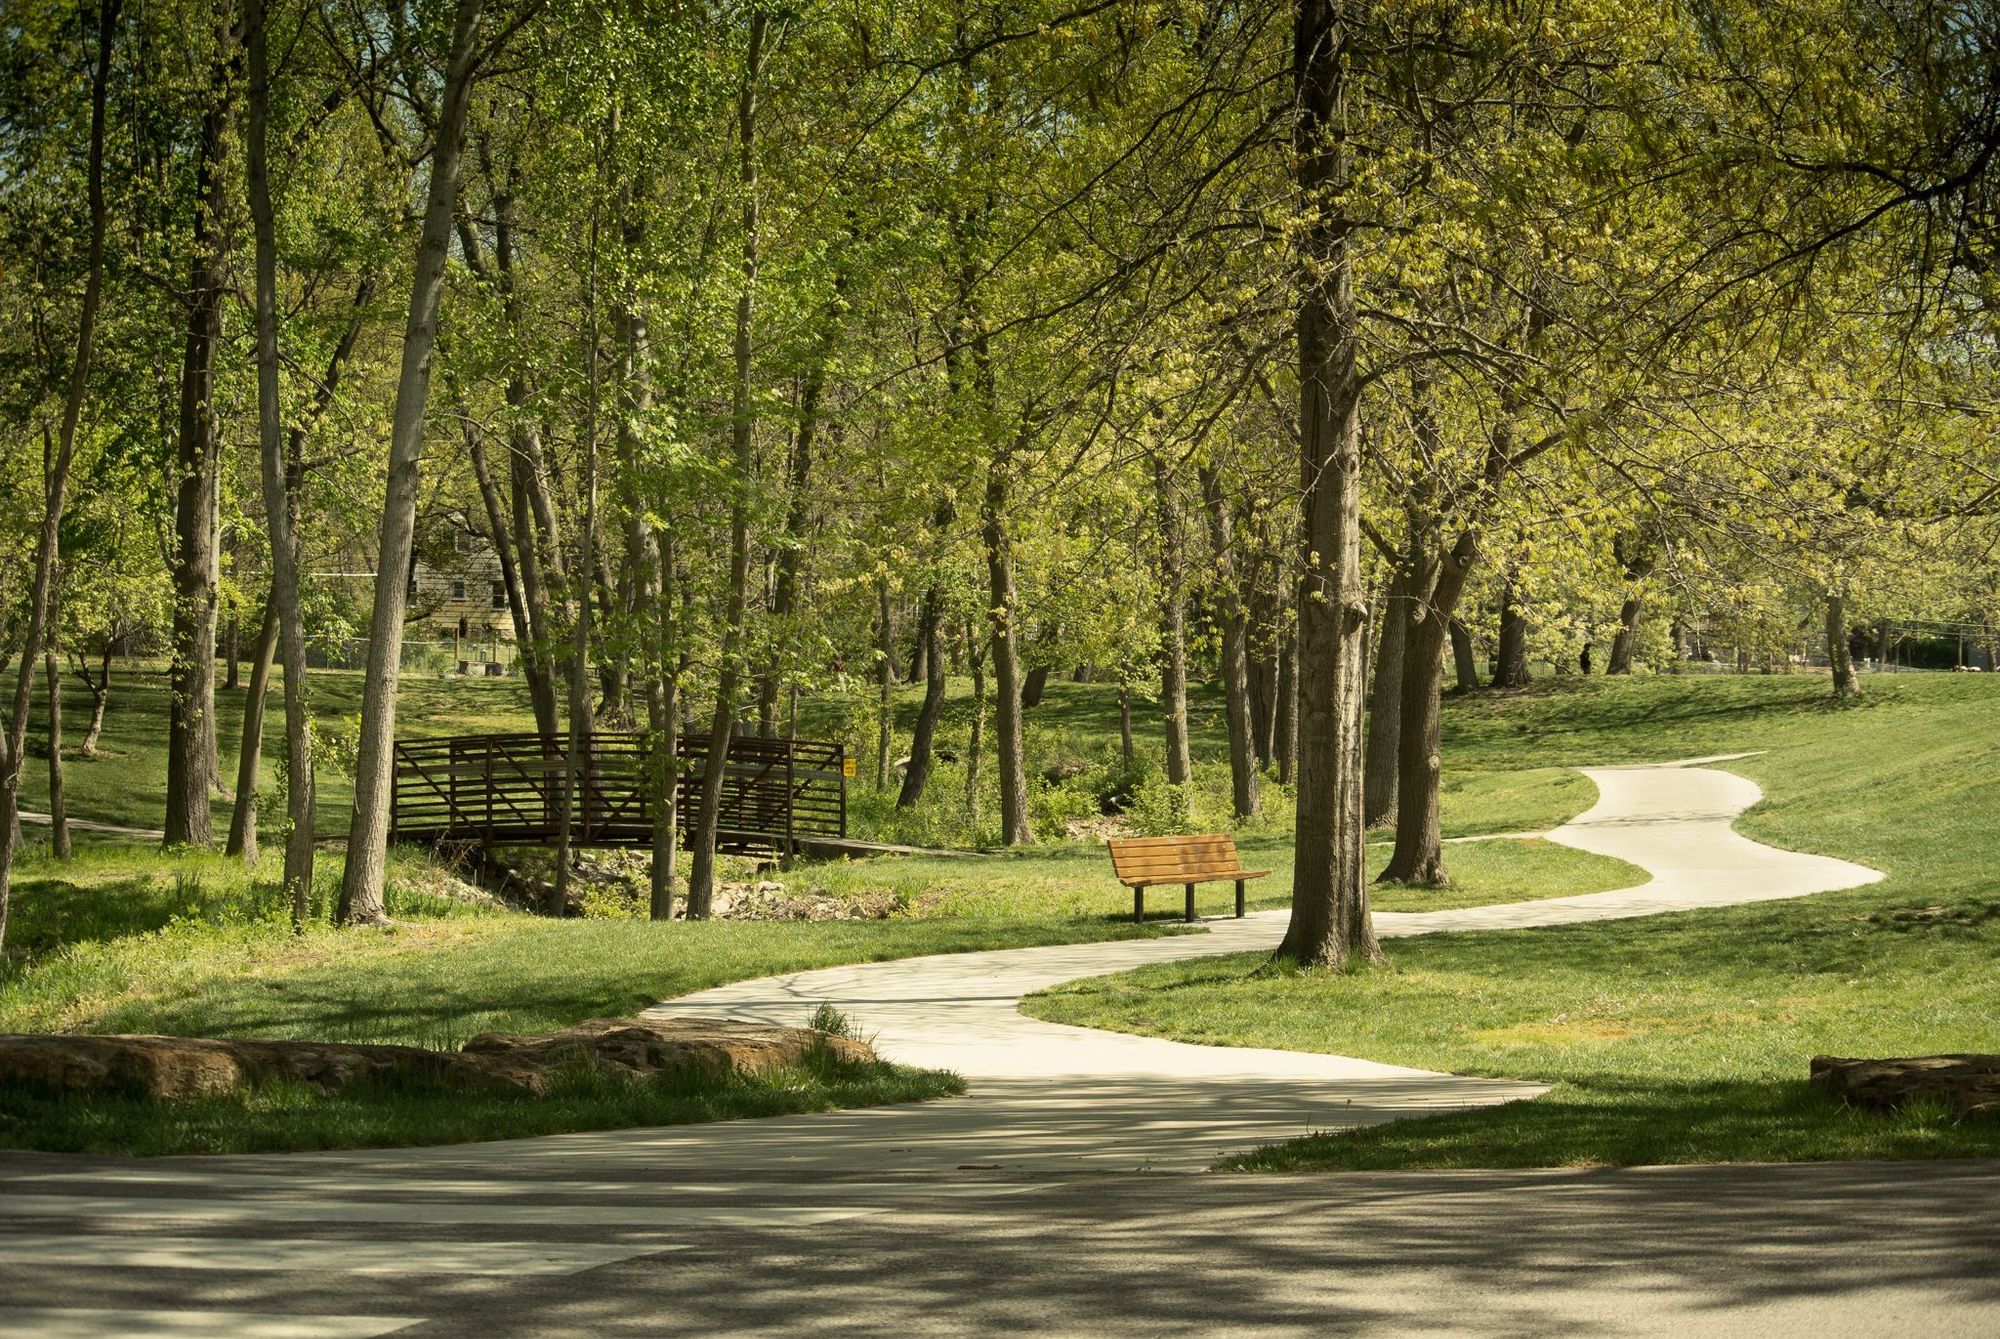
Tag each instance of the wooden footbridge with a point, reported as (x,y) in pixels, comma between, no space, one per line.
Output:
(779,796)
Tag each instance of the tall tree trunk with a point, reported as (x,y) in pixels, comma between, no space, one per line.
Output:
(1437,582)
(1638,567)
(664,705)
(614,670)
(649,556)
(1003,607)
(701,841)
(923,735)
(368,828)
(975,656)
(1170,572)
(14,745)
(1510,657)
(576,758)
(1035,686)
(1627,636)
(1264,674)
(885,679)
(798,514)
(537,532)
(1846,683)
(1330,924)
(1235,660)
(281,475)
(1883,646)
(1464,664)
(232,654)
(250,753)
(191,758)
(1385,703)
(1265,648)
(1285,723)
(1125,743)
(1419,853)
(59,841)
(541,691)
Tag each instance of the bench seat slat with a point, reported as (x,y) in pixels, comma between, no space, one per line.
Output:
(1220,876)
(1152,862)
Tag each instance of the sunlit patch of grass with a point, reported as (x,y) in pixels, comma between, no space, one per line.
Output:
(1671,1038)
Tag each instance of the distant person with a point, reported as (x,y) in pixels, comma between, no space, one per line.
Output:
(1583,661)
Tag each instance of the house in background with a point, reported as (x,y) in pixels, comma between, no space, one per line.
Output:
(458,600)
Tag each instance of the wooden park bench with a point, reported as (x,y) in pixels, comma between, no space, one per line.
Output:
(1144,862)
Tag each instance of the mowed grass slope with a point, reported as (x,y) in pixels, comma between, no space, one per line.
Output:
(1674,1038)
(126,783)
(127,939)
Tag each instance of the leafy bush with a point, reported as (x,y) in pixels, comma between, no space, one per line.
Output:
(1163,809)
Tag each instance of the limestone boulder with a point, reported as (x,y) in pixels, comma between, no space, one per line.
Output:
(167,1067)
(1968,1084)
(645,1046)
(178,1068)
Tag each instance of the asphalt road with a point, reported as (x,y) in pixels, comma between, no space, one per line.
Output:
(304,1248)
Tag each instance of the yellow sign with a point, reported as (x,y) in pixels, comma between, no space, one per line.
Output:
(847,767)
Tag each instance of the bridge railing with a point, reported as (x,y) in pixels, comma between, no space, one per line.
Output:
(509,788)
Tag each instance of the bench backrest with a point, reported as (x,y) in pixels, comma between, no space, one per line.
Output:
(1173,859)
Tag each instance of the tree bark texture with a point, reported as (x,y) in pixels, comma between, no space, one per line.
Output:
(923,736)
(1510,656)
(1846,683)
(191,741)
(14,744)
(975,656)
(59,840)
(1385,703)
(701,840)
(1625,641)
(1235,658)
(100,697)
(1464,663)
(368,826)
(1285,722)
(250,750)
(1004,638)
(1170,572)
(1330,924)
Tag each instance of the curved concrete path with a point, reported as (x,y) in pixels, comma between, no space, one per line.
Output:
(1046,1096)
(954,1217)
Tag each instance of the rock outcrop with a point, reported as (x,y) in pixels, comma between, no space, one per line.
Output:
(639,1046)
(1967,1084)
(178,1068)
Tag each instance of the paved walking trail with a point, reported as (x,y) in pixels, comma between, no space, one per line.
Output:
(1047,1096)
(992,1214)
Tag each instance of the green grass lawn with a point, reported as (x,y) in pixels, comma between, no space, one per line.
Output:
(1674,1038)
(1729,1003)
(126,783)
(126,939)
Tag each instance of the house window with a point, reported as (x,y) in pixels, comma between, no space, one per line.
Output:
(458,590)
(499,595)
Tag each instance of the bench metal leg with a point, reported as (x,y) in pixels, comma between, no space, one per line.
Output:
(1239,899)
(1190,902)
(1139,905)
